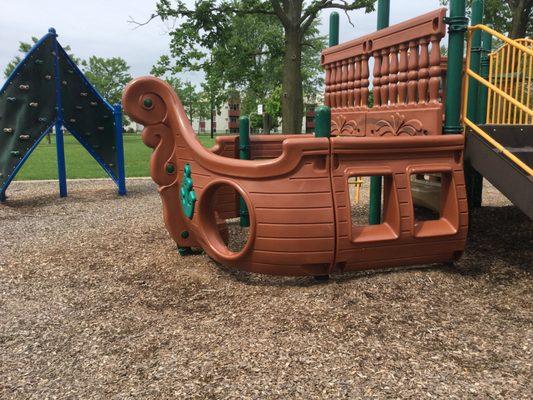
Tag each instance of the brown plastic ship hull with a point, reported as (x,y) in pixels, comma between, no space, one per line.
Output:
(297,193)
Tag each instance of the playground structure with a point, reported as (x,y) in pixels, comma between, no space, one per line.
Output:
(498,116)
(293,191)
(47,90)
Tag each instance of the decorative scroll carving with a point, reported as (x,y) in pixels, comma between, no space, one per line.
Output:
(398,126)
(340,125)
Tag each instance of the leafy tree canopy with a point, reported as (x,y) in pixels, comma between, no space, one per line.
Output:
(108,75)
(510,17)
(234,41)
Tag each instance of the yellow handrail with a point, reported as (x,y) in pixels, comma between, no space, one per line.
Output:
(506,103)
(511,70)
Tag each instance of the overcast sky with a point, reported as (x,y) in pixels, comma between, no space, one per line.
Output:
(101,28)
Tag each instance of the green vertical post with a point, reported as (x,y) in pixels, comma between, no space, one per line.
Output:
(244,154)
(323,122)
(481,118)
(486,48)
(383,14)
(473,179)
(376,182)
(333,29)
(457,27)
(475,61)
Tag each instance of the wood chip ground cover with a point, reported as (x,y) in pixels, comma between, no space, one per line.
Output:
(96,303)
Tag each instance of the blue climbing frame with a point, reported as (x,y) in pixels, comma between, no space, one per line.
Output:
(119,177)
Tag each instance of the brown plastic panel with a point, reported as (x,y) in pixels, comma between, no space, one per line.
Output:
(296,192)
(431,23)
(405,79)
(398,240)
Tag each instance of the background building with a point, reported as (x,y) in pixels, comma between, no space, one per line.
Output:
(225,121)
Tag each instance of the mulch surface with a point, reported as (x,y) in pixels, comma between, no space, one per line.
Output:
(95,302)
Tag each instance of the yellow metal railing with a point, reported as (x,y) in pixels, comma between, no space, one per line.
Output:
(511,70)
(509,87)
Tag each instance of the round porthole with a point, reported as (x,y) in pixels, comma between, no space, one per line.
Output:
(223,208)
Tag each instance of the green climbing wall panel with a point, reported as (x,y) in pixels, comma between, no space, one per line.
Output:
(48,88)
(85,114)
(27,107)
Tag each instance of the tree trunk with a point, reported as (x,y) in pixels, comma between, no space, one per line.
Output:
(292,98)
(521,15)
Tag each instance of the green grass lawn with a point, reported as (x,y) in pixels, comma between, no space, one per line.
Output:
(42,163)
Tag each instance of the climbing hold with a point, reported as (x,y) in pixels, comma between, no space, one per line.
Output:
(170,168)
(106,116)
(64,83)
(24,137)
(96,146)
(100,128)
(24,87)
(70,71)
(187,193)
(53,53)
(73,120)
(42,119)
(15,153)
(8,130)
(94,103)
(111,165)
(33,104)
(184,234)
(11,99)
(83,94)
(148,103)
(48,77)
(79,107)
(39,61)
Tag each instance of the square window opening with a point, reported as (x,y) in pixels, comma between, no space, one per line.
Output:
(427,194)
(359,191)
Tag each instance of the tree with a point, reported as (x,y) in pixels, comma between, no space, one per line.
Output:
(207,24)
(187,93)
(511,17)
(108,76)
(250,60)
(24,48)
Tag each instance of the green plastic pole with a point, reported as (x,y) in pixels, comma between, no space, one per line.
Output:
(475,61)
(473,179)
(481,116)
(333,29)
(244,154)
(383,14)
(457,27)
(323,122)
(376,183)
(486,47)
